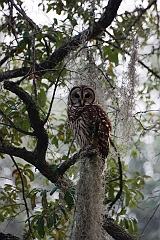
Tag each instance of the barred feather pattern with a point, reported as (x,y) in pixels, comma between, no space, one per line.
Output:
(89,123)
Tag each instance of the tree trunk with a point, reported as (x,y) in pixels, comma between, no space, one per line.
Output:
(88,215)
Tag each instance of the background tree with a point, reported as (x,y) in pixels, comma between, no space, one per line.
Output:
(113,48)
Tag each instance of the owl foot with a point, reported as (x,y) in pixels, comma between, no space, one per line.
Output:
(89,151)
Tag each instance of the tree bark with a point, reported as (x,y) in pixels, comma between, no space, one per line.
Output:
(88,215)
(115,230)
(8,236)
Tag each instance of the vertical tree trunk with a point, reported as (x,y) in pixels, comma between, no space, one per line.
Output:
(88,215)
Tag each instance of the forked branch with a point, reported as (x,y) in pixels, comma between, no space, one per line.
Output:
(59,54)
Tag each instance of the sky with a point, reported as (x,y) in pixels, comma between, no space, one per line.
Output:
(37,14)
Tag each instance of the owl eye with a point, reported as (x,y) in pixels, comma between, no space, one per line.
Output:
(87,95)
(76,95)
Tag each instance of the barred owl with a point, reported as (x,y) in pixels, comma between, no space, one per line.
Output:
(88,121)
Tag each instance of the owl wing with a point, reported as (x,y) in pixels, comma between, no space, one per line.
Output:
(91,125)
(100,127)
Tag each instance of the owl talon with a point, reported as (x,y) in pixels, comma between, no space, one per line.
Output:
(88,151)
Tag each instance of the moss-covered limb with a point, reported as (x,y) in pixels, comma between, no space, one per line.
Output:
(75,158)
(87,221)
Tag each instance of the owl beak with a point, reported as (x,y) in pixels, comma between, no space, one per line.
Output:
(82,102)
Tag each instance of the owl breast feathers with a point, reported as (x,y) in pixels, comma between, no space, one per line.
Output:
(88,121)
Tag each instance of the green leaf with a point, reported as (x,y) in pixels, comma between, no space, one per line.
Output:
(54,189)
(55,218)
(41,231)
(111,54)
(126,223)
(134,154)
(55,168)
(44,199)
(50,221)
(55,141)
(42,98)
(55,21)
(34,190)
(33,201)
(128,198)
(21,46)
(43,193)
(62,209)
(29,174)
(74,22)
(123,211)
(141,194)
(135,225)
(33,216)
(25,126)
(68,197)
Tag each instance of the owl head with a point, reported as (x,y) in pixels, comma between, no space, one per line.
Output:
(81,96)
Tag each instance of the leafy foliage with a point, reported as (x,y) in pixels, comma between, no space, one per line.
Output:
(46,209)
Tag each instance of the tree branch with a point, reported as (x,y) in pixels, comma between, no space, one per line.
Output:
(149,220)
(75,158)
(35,122)
(115,230)
(120,176)
(37,157)
(24,15)
(53,95)
(31,157)
(8,55)
(140,14)
(59,54)
(8,236)
(18,152)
